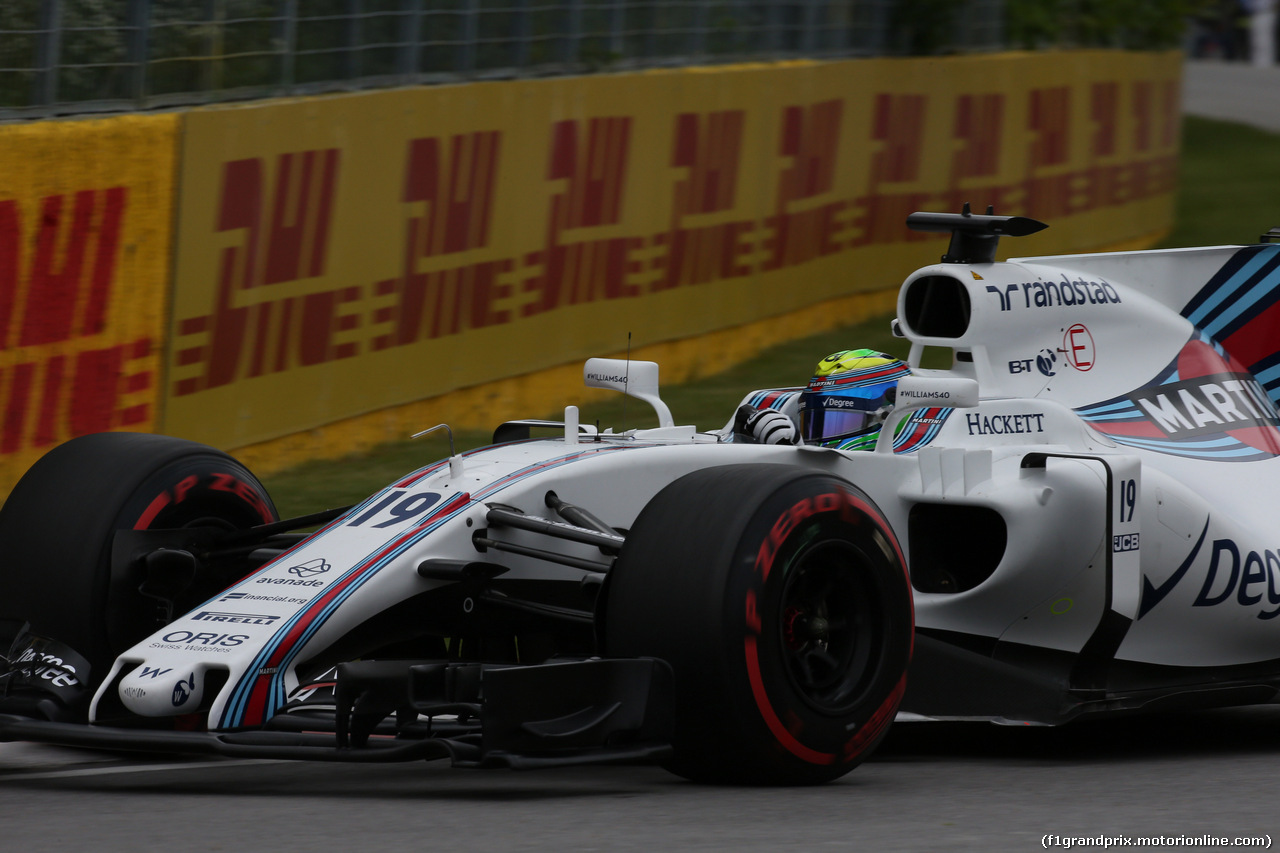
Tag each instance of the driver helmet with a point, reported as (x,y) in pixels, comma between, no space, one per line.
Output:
(851,393)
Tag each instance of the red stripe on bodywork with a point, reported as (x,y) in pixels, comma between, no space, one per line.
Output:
(1256,339)
(1262,438)
(771,398)
(1137,429)
(257,702)
(415,477)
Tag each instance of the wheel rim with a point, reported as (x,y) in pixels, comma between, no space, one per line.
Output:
(830,628)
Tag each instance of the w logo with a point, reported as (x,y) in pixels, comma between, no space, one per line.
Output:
(183,689)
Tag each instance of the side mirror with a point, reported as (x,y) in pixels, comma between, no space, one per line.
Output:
(637,379)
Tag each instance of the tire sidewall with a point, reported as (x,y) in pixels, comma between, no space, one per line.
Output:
(199,490)
(803,513)
(689,587)
(202,487)
(59,522)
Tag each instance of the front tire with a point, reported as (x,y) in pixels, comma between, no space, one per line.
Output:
(57,527)
(780,599)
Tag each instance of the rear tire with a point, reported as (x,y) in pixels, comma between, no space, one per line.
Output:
(780,599)
(57,526)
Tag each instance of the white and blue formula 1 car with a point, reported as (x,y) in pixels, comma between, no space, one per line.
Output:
(1075,518)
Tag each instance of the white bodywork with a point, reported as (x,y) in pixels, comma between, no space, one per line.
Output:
(1150,527)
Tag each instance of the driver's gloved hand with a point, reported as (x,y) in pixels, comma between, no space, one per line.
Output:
(764,426)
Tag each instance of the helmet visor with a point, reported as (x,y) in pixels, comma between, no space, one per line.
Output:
(834,413)
(819,424)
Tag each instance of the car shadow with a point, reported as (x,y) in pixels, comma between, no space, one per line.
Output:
(1254,730)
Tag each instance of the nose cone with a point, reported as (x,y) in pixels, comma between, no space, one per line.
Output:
(159,691)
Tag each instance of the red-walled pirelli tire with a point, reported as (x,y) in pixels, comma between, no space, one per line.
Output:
(779,597)
(57,526)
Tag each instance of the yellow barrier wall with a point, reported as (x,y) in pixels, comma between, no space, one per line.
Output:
(85,210)
(342,255)
(342,265)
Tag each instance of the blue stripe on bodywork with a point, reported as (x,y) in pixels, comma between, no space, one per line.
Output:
(370,565)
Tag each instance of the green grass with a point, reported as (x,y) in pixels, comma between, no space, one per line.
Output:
(1229,193)
(708,403)
(1229,185)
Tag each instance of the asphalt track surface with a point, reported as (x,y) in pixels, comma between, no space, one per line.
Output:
(931,786)
(1233,91)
